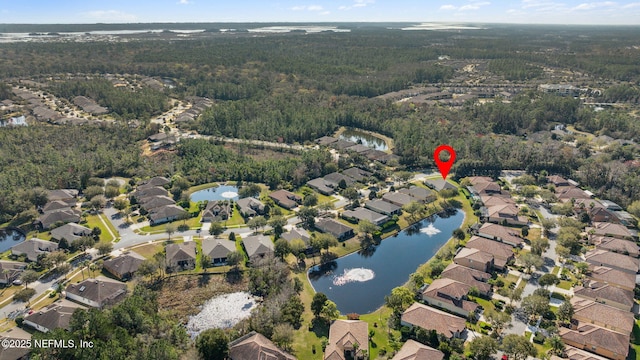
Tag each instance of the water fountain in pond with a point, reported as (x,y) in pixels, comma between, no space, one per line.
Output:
(353,275)
(229,194)
(430,230)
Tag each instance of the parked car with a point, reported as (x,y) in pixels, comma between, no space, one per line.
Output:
(17,282)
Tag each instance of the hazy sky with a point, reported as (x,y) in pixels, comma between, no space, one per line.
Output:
(505,11)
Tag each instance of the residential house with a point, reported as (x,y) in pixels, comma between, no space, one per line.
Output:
(217,250)
(450,295)
(250,207)
(17,335)
(597,340)
(326,140)
(124,266)
(286,199)
(439,184)
(297,233)
(619,246)
(358,148)
(591,312)
(475,259)
(321,186)
(255,346)
(489,188)
(153,202)
(490,201)
(341,144)
(471,277)
(70,232)
(600,257)
(573,353)
(34,247)
(613,230)
(383,207)
(413,350)
(54,316)
(220,210)
(11,270)
(54,206)
(348,339)
(422,195)
(357,174)
(97,293)
(361,213)
(605,294)
(335,178)
(613,277)
(566,194)
(398,198)
(335,228)
(475,180)
(624,218)
(61,216)
(501,233)
(69,196)
(146,192)
(155,181)
(166,214)
(558,181)
(610,205)
(502,253)
(429,318)
(600,214)
(505,214)
(181,255)
(257,246)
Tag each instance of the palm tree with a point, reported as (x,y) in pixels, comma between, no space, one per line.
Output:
(557,346)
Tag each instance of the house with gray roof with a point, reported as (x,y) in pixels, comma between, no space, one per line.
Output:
(420,194)
(335,228)
(154,202)
(54,316)
(439,184)
(250,207)
(124,266)
(33,247)
(335,178)
(18,335)
(61,216)
(398,198)
(257,246)
(10,270)
(165,214)
(383,207)
(217,250)
(181,255)
(321,185)
(357,174)
(217,210)
(70,232)
(297,233)
(97,293)
(140,194)
(286,199)
(361,213)
(155,181)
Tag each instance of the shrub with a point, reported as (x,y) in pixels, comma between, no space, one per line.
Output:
(24,294)
(538,338)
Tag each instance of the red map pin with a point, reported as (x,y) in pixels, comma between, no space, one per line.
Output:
(444,166)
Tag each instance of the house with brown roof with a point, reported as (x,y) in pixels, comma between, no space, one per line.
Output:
(573,353)
(505,214)
(335,228)
(591,312)
(359,214)
(257,246)
(501,233)
(620,246)
(413,350)
(472,277)
(429,318)
(219,210)
(450,295)
(217,250)
(326,140)
(181,255)
(33,247)
(490,201)
(286,199)
(155,181)
(485,188)
(153,202)
(97,293)
(10,270)
(255,346)
(613,230)
(558,181)
(600,257)
(348,339)
(600,341)
(475,259)
(606,294)
(613,277)
(566,194)
(502,253)
(124,266)
(54,316)
(146,192)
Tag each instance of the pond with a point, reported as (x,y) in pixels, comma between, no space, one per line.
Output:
(358,283)
(366,139)
(9,238)
(222,192)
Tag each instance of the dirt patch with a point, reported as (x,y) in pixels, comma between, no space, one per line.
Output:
(182,296)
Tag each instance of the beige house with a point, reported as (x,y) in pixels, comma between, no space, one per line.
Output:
(429,318)
(348,339)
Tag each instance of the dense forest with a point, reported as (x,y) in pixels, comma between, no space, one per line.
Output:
(296,88)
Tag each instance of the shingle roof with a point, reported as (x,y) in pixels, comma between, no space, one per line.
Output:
(439,184)
(257,245)
(34,247)
(450,292)
(617,245)
(475,255)
(217,248)
(498,249)
(102,291)
(398,198)
(601,257)
(419,193)
(286,198)
(185,251)
(333,227)
(609,229)
(297,233)
(166,212)
(382,206)
(600,291)
(469,276)
(54,316)
(430,318)
(500,233)
(356,173)
(343,334)
(413,350)
(124,264)
(153,202)
(600,314)
(70,231)
(365,214)
(62,215)
(612,276)
(588,335)
(255,346)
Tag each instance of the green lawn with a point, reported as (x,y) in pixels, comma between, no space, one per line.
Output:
(94,221)
(194,223)
(564,284)
(148,250)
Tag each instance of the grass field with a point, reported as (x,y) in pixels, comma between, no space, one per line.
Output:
(94,221)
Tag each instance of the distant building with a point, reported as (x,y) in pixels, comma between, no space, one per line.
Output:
(560,89)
